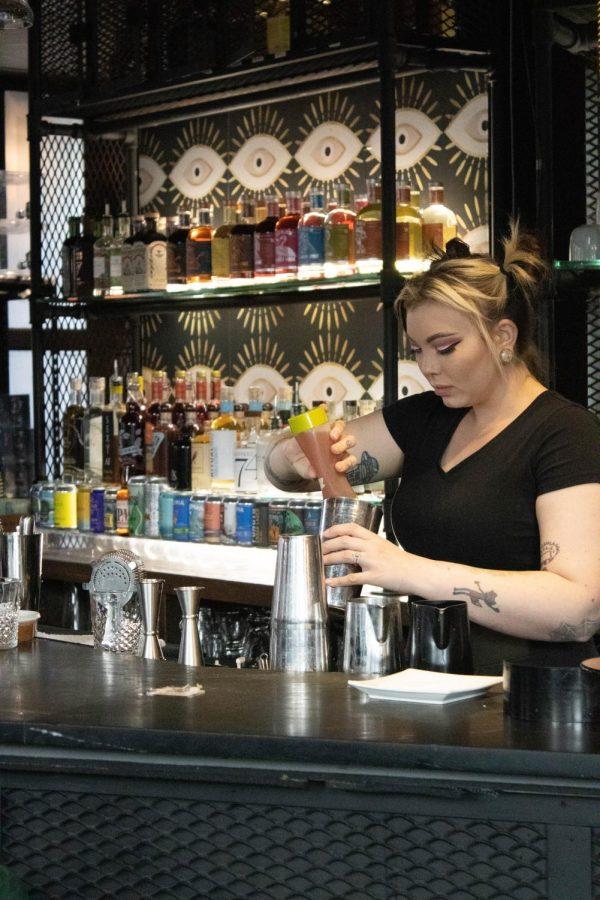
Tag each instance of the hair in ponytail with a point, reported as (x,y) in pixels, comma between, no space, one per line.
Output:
(488,292)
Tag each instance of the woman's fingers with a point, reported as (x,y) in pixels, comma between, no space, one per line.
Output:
(344,557)
(352,578)
(344,465)
(343,445)
(346,543)
(350,529)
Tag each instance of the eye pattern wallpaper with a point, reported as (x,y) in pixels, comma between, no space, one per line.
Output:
(333,349)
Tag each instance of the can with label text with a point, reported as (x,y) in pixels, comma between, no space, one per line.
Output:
(65,506)
(244,515)
(84,498)
(197,517)
(229,520)
(277,514)
(260,523)
(165,514)
(136,486)
(153,488)
(312,516)
(97,510)
(47,505)
(294,517)
(181,515)
(110,509)
(213,519)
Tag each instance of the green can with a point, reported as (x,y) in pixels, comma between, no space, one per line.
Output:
(136,505)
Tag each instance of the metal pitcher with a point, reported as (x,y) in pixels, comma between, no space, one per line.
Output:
(373,636)
(342,510)
(21,558)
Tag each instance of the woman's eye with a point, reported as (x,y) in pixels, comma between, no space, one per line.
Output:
(416,134)
(449,348)
(259,162)
(469,129)
(414,350)
(328,151)
(197,172)
(151,178)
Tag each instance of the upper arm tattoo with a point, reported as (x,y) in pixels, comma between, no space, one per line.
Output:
(476,597)
(548,551)
(365,471)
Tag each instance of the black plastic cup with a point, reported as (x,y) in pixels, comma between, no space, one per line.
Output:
(439,638)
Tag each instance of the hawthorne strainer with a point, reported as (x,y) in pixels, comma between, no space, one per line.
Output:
(113,587)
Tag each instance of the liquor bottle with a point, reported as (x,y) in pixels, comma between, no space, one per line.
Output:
(154,274)
(199,250)
(177,250)
(115,264)
(111,418)
(439,222)
(264,240)
(311,238)
(162,440)
(368,231)
(102,248)
(278,28)
(340,223)
(201,477)
(153,418)
(129,254)
(181,455)
(83,258)
(584,243)
(241,241)
(73,460)
(215,386)
(93,443)
(131,429)
(286,236)
(69,291)
(178,412)
(245,453)
(284,404)
(220,257)
(409,225)
(223,442)
(123,504)
(171,223)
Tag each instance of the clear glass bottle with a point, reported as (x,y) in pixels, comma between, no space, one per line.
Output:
(286,237)
(102,248)
(439,222)
(368,230)
(221,257)
(115,264)
(241,240)
(264,240)
(93,444)
(584,244)
(154,275)
(340,246)
(177,249)
(111,418)
(73,443)
(311,238)
(409,225)
(129,256)
(131,429)
(224,439)
(199,249)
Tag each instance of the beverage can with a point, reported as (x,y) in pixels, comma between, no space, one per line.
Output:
(165,514)
(35,495)
(137,486)
(243,521)
(312,516)
(47,506)
(277,516)
(229,520)
(260,523)
(153,489)
(122,513)
(110,510)
(181,515)
(213,519)
(294,517)
(197,502)
(97,510)
(84,498)
(65,506)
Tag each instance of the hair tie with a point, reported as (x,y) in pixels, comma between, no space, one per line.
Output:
(457,249)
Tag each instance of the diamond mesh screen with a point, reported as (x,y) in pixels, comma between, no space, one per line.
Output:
(61,24)
(90,845)
(193,49)
(593,348)
(592,142)
(339,21)
(123,54)
(105,165)
(455,22)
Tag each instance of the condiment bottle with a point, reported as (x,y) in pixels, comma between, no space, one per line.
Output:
(311,430)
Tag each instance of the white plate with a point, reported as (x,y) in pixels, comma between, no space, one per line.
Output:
(420,686)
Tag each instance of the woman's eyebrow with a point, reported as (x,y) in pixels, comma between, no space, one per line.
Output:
(433,337)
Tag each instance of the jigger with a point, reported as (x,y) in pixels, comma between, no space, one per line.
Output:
(150,593)
(190,653)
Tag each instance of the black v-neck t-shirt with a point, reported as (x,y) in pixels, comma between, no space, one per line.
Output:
(482,511)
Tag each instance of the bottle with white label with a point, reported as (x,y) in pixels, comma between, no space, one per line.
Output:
(224,430)
(153,275)
(93,455)
(128,256)
(102,248)
(115,264)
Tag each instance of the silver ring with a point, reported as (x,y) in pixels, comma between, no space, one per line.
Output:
(355,558)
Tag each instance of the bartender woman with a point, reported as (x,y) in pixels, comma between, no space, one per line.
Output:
(499,498)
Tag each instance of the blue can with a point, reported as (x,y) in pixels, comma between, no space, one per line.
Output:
(97,511)
(196,518)
(244,513)
(181,515)
(165,515)
(312,516)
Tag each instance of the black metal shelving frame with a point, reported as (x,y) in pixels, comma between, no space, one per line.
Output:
(108,116)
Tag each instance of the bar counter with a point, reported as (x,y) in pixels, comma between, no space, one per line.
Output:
(273,785)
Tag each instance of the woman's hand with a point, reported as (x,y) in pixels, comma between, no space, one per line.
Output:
(382,563)
(340,444)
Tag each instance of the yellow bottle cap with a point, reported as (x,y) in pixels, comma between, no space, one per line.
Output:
(311,419)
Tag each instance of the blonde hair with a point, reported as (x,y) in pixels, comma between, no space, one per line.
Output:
(488,292)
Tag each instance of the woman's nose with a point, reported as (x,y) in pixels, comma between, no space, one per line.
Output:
(429,364)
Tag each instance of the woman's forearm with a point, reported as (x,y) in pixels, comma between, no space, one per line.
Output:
(535,605)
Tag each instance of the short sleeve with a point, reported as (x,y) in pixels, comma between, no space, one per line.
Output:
(569,453)
(406,417)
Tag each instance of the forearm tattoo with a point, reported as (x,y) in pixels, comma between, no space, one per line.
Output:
(578,632)
(548,551)
(478,597)
(365,471)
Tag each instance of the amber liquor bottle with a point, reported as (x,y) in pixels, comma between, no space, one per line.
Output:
(264,240)
(131,430)
(286,236)
(241,241)
(199,250)
(176,250)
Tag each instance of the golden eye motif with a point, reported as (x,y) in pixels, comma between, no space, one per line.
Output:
(197,172)
(268,379)
(416,134)
(328,151)
(151,178)
(331,383)
(410,381)
(259,162)
(469,129)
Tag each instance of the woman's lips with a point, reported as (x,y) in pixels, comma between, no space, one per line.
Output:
(442,389)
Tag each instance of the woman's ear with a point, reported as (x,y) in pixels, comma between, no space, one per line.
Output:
(505,334)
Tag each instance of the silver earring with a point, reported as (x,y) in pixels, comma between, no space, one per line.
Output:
(506,356)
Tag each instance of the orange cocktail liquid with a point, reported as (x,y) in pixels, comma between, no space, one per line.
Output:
(316,446)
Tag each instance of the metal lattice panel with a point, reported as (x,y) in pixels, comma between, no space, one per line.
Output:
(336,22)
(592,142)
(90,845)
(593,349)
(105,165)
(59,368)
(193,49)
(61,40)
(124,51)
